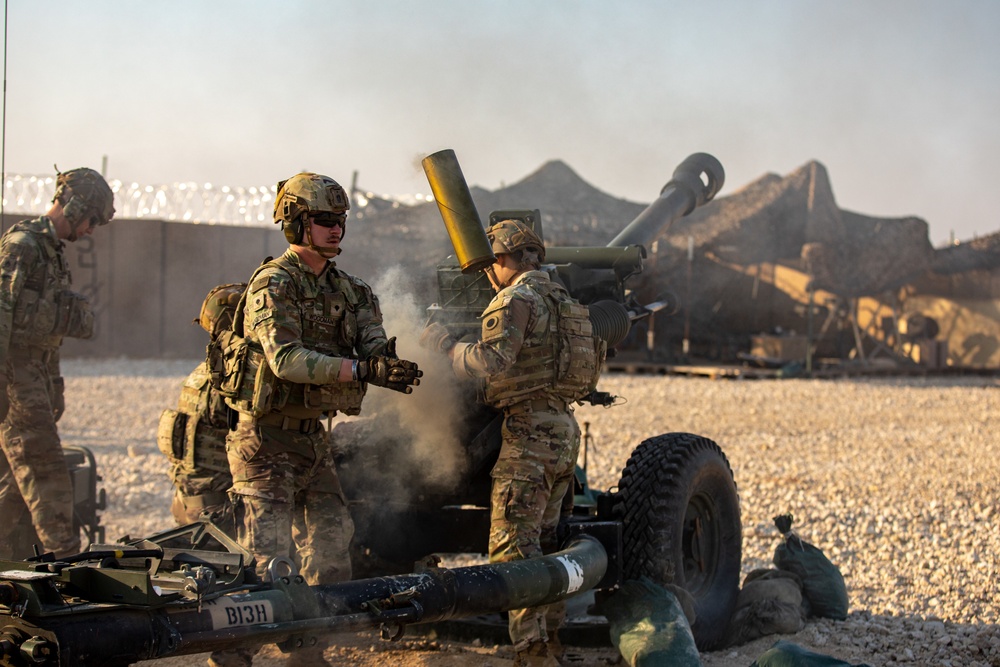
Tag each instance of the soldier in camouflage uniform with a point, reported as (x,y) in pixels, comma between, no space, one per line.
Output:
(314,341)
(37,310)
(518,356)
(193,437)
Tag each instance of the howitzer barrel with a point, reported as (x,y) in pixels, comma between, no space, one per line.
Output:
(291,612)
(695,181)
(458,211)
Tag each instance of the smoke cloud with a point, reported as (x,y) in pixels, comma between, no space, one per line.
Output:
(424,426)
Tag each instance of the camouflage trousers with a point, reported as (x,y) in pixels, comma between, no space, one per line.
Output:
(287,500)
(532,476)
(33,473)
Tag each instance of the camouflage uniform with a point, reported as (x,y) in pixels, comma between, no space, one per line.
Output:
(541,438)
(37,309)
(194,439)
(285,487)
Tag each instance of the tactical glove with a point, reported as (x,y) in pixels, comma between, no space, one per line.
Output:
(395,374)
(390,348)
(4,399)
(437,338)
(58,398)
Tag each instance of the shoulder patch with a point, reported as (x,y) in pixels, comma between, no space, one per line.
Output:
(496,318)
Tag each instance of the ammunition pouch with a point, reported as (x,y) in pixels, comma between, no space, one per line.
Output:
(188,442)
(172,435)
(227,363)
(74,317)
(68,314)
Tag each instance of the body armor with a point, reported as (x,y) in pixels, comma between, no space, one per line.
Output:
(560,358)
(47,309)
(329,326)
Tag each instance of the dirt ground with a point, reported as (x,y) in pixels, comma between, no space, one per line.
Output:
(367,650)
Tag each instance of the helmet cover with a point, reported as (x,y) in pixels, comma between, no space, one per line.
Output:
(84,192)
(508,236)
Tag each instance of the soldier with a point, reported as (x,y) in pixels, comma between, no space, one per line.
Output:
(537,355)
(37,310)
(193,437)
(314,341)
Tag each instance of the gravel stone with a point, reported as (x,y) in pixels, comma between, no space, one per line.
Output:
(895,479)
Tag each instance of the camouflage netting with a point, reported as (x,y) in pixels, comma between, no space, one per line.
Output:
(980,254)
(796,220)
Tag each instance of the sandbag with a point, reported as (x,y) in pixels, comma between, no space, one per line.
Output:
(787,654)
(648,626)
(769,603)
(823,585)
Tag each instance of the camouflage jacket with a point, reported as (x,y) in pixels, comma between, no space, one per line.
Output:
(305,324)
(515,354)
(37,308)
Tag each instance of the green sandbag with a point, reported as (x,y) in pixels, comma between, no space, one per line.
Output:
(787,654)
(648,626)
(823,585)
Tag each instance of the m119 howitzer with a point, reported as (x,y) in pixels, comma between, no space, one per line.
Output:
(676,510)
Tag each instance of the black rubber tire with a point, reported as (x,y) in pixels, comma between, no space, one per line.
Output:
(680,515)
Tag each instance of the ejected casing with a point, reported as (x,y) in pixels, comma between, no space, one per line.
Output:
(458,211)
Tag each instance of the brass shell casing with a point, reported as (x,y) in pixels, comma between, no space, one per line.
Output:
(458,211)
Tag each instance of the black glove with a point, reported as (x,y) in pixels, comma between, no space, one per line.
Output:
(395,374)
(4,399)
(58,397)
(437,338)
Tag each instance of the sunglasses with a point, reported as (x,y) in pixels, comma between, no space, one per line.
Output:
(330,219)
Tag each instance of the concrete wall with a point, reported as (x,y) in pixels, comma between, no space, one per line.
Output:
(146,280)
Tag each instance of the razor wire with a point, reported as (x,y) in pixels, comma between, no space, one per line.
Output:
(178,202)
(203,203)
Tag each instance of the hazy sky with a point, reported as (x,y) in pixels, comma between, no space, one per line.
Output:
(900,99)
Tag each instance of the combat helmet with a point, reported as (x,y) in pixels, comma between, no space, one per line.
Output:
(219,308)
(305,194)
(509,236)
(83,194)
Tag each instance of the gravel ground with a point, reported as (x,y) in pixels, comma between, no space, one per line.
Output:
(895,479)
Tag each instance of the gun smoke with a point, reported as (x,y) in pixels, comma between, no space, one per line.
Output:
(424,425)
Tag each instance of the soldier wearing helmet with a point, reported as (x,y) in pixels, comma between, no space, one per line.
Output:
(518,357)
(37,310)
(193,437)
(315,341)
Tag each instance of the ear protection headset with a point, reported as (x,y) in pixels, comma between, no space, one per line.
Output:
(294,230)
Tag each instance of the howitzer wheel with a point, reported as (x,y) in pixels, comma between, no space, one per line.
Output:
(680,515)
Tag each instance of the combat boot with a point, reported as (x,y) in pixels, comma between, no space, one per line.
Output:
(231,658)
(536,655)
(307,657)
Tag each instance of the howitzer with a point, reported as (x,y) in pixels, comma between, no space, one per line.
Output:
(114,606)
(676,507)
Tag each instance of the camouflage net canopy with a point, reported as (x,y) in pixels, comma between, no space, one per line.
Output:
(795,220)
